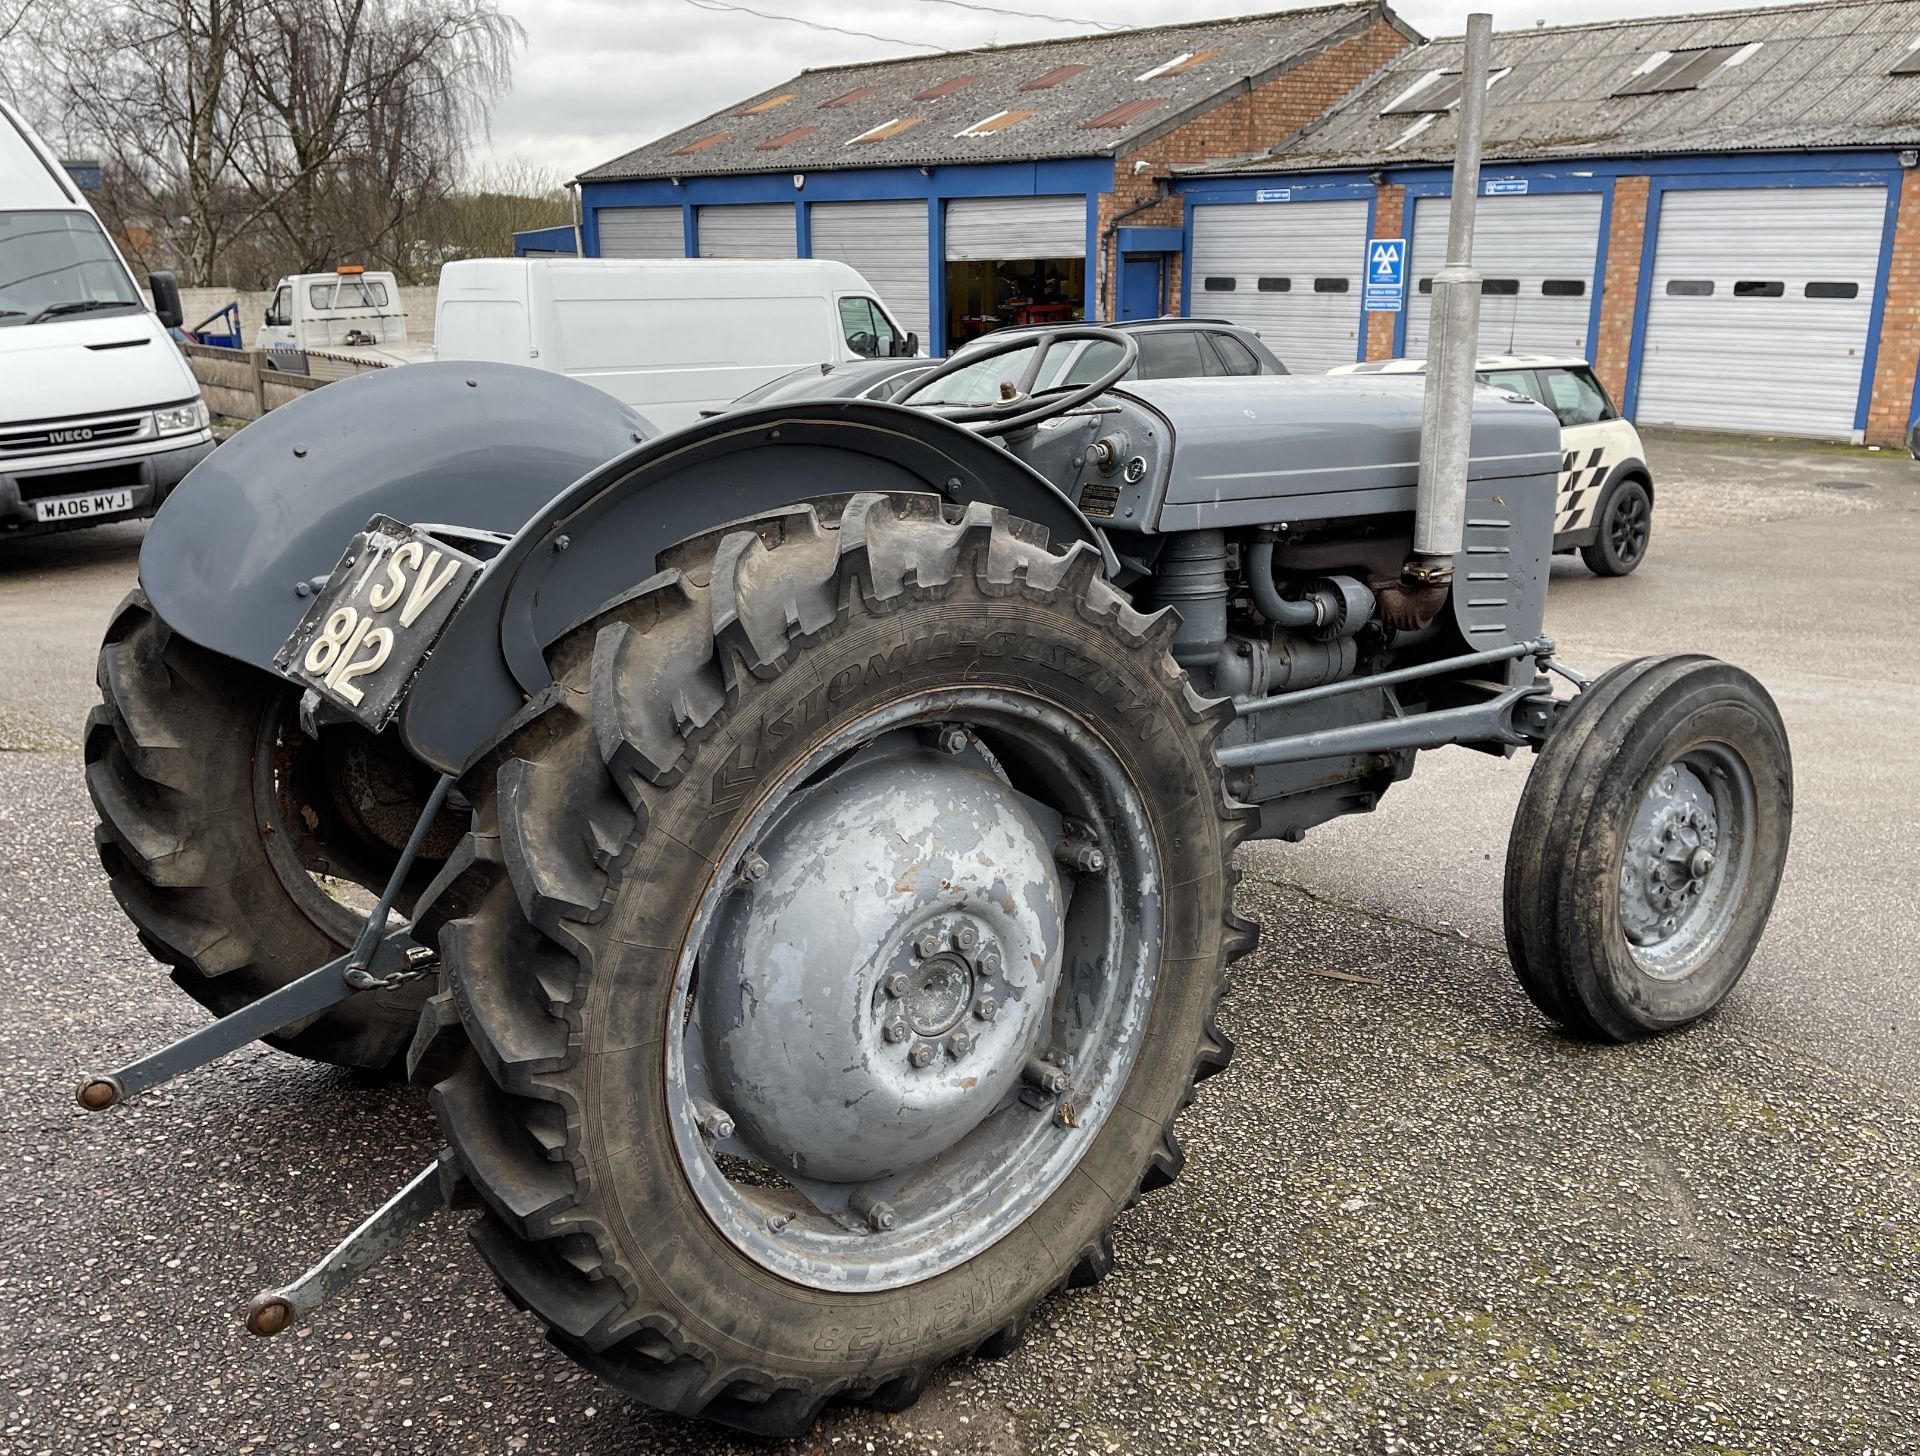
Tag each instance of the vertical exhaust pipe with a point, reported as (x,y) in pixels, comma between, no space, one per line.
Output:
(1453,337)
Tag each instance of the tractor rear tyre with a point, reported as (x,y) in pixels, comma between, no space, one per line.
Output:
(1648,846)
(230,837)
(857,909)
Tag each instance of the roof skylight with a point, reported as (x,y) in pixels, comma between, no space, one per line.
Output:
(886,129)
(1666,71)
(999,121)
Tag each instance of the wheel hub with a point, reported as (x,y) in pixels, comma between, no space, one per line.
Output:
(1670,857)
(874,993)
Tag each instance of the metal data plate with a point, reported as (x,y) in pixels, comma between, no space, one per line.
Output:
(374,622)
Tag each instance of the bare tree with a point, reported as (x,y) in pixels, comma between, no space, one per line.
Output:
(244,138)
(362,111)
(13,19)
(479,221)
(150,86)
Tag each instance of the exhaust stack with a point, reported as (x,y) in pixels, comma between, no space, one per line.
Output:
(1452,345)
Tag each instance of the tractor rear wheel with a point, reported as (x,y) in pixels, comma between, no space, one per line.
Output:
(1649,843)
(246,853)
(858,907)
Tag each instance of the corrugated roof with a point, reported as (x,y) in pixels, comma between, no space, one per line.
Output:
(1059,84)
(1813,77)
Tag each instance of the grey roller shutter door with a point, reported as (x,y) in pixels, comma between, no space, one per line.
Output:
(886,244)
(1537,255)
(1758,314)
(988,229)
(758,230)
(642,232)
(1291,271)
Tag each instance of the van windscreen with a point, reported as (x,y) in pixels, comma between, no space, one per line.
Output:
(54,264)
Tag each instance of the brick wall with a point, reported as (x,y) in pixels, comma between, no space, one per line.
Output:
(1389,215)
(1892,398)
(1249,122)
(1620,289)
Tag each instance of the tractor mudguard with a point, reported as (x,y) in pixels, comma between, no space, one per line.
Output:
(464,444)
(601,536)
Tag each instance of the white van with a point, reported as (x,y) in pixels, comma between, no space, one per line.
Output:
(99,414)
(669,337)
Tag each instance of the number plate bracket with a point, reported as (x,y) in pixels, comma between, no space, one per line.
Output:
(376,620)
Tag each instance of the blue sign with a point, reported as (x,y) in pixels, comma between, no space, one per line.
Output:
(1386,274)
(1273,194)
(1506,187)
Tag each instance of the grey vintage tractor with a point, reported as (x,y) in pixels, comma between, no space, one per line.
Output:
(795,852)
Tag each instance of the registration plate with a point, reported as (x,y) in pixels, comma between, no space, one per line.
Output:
(374,622)
(83,507)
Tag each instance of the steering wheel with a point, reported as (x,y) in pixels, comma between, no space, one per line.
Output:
(1025,409)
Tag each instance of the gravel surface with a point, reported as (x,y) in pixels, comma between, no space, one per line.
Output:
(1413,1218)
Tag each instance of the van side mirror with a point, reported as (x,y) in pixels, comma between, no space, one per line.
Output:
(166,300)
(909,346)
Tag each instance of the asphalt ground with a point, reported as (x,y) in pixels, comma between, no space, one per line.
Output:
(1413,1218)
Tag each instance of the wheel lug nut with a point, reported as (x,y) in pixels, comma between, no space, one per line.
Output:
(714,1122)
(895,985)
(959,1044)
(1046,1076)
(953,740)
(1081,855)
(966,938)
(990,959)
(928,944)
(986,1008)
(877,1213)
(752,867)
(895,1030)
(922,1054)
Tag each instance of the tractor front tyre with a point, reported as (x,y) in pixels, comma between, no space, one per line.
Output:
(235,843)
(859,907)
(1648,846)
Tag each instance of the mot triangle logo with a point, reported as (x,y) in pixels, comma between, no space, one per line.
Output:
(1383,261)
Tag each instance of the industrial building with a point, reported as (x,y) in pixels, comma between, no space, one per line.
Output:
(1711,207)
(982,188)
(1715,209)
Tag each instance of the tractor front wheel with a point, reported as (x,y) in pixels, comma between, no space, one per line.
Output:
(859,909)
(1648,845)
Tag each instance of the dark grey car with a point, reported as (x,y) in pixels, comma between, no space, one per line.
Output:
(1170,348)
(859,379)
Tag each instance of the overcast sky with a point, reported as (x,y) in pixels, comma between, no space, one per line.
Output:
(599,77)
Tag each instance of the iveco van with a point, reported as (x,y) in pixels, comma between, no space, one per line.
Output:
(99,414)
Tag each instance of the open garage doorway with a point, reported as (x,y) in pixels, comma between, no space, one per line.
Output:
(984,296)
(1012,261)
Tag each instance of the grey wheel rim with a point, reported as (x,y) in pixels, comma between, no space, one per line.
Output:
(913,990)
(1686,863)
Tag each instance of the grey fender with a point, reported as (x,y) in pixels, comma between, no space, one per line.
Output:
(478,445)
(602,535)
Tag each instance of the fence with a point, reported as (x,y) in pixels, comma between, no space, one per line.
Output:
(243,384)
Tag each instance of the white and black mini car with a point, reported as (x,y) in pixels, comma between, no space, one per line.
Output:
(1605,509)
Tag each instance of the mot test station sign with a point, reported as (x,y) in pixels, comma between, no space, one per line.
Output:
(1386,277)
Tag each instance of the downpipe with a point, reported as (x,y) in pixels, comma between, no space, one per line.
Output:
(1440,505)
